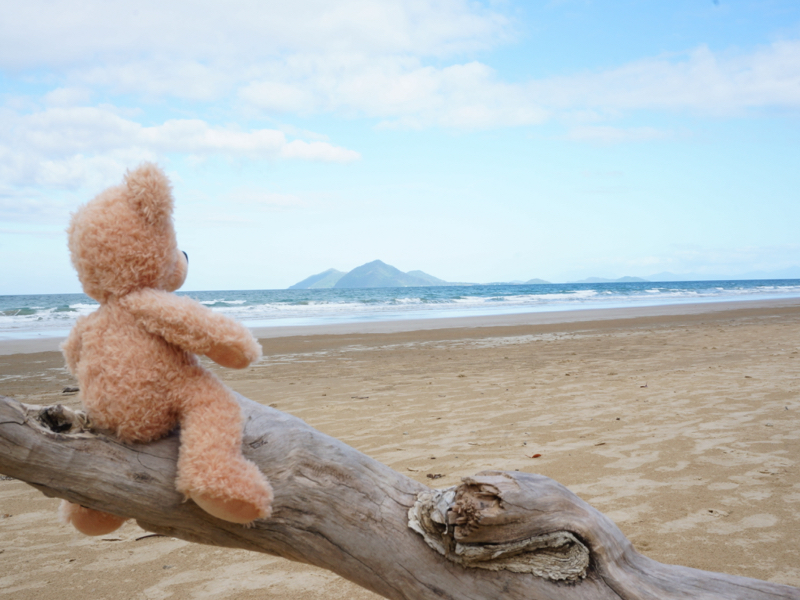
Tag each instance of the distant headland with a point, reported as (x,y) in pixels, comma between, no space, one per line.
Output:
(377,274)
(372,274)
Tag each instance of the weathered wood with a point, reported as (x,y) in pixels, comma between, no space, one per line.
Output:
(497,535)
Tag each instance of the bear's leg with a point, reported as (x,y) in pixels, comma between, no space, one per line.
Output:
(211,468)
(89,521)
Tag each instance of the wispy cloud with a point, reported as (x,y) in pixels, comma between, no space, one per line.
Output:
(700,80)
(736,260)
(78,146)
(710,261)
(405,93)
(17,207)
(607,134)
(66,34)
(259,199)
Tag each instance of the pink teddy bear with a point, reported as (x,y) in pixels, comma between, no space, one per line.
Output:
(135,357)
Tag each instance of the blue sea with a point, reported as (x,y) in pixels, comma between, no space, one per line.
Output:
(52,315)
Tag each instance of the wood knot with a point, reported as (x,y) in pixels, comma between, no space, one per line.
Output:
(60,419)
(472,504)
(446,518)
(258,443)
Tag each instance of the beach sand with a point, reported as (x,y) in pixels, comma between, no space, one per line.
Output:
(681,425)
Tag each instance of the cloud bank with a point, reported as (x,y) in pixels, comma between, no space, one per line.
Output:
(401,64)
(398,61)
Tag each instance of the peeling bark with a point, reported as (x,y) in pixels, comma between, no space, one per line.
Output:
(497,535)
(446,518)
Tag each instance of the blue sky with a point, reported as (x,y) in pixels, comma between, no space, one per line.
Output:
(476,141)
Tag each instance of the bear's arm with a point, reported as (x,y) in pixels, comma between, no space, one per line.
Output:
(71,347)
(185,323)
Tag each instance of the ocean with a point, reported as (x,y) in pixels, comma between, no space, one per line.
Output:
(52,315)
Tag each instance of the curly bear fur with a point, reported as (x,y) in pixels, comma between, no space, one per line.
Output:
(135,357)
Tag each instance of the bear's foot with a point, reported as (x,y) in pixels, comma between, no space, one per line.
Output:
(234,511)
(89,521)
(230,488)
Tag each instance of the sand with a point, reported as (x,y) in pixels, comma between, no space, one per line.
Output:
(682,425)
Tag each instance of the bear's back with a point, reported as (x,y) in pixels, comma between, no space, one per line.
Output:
(129,378)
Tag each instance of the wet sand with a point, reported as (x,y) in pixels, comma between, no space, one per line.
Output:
(682,424)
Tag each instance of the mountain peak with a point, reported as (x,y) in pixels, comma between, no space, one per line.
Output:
(326,279)
(372,274)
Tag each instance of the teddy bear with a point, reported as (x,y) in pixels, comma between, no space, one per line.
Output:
(136,360)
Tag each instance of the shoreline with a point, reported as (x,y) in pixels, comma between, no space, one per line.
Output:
(538,318)
(541,320)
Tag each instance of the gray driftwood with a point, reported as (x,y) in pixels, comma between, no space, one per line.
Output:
(497,535)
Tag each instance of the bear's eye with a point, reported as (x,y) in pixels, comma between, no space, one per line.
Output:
(186,255)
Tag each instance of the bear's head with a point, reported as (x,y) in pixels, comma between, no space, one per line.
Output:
(124,240)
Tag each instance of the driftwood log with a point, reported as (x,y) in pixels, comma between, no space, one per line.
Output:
(497,535)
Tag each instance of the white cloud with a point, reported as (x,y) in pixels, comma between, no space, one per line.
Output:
(322,151)
(237,207)
(31,208)
(257,198)
(606,134)
(700,81)
(400,62)
(75,147)
(355,57)
(738,259)
(66,33)
(405,93)
(156,77)
(400,91)
(276,96)
(302,133)
(713,262)
(67,96)
(28,232)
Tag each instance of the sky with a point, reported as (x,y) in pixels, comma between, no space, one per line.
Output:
(476,141)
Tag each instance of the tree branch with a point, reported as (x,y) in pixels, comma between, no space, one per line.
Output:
(511,535)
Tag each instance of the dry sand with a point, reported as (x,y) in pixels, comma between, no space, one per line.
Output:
(683,426)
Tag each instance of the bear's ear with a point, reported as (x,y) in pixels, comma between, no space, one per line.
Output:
(149,193)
